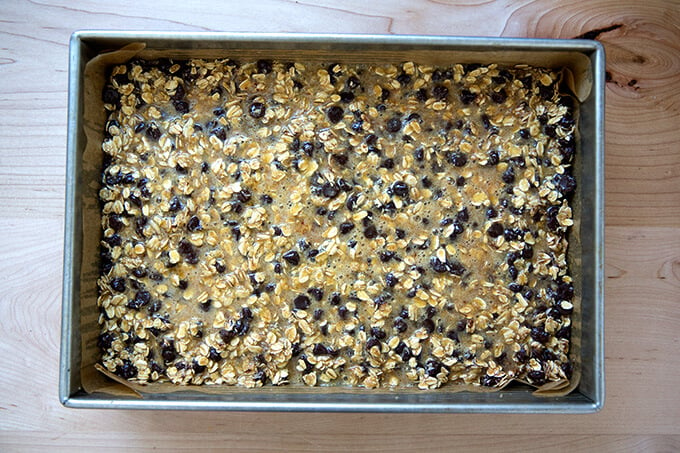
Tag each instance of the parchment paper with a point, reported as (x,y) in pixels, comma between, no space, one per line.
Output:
(577,79)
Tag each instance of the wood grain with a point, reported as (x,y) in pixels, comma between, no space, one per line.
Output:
(642,411)
(184,441)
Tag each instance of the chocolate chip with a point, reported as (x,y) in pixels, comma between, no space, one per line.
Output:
(513,234)
(118,284)
(205,306)
(400,188)
(352,82)
(428,325)
(508,175)
(105,340)
(551,217)
(335,299)
(486,122)
(269,287)
(292,257)
(194,224)
(421,95)
(455,268)
(540,335)
(565,183)
(537,377)
(515,287)
(346,96)
(303,244)
(127,370)
(264,66)
(457,230)
(438,266)
(495,230)
(387,163)
(246,313)
(404,79)
(219,132)
(153,132)
(296,350)
(142,298)
(330,190)
(334,114)
(370,232)
(440,92)
(244,195)
(393,124)
(378,333)
(499,97)
(433,367)
(181,107)
(466,97)
(187,250)
(457,158)
(403,351)
(139,272)
(400,324)
(110,95)
(214,355)
(346,227)
(242,326)
(489,381)
(316,292)
(463,215)
(301,302)
(371,139)
(344,185)
(115,222)
(257,110)
(492,157)
(564,332)
(175,204)
(372,342)
(226,335)
(390,280)
(320,349)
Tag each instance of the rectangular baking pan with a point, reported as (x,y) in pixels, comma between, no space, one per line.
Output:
(589,171)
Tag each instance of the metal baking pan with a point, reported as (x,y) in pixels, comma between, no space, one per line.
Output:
(589,170)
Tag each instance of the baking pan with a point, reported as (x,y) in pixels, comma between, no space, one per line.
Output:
(588,169)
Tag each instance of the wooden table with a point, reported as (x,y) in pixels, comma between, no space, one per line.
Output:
(642,409)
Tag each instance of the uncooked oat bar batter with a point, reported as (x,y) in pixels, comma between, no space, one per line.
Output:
(330,224)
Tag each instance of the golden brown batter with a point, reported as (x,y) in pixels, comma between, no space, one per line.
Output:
(354,225)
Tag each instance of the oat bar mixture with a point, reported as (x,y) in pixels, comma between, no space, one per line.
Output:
(330,224)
